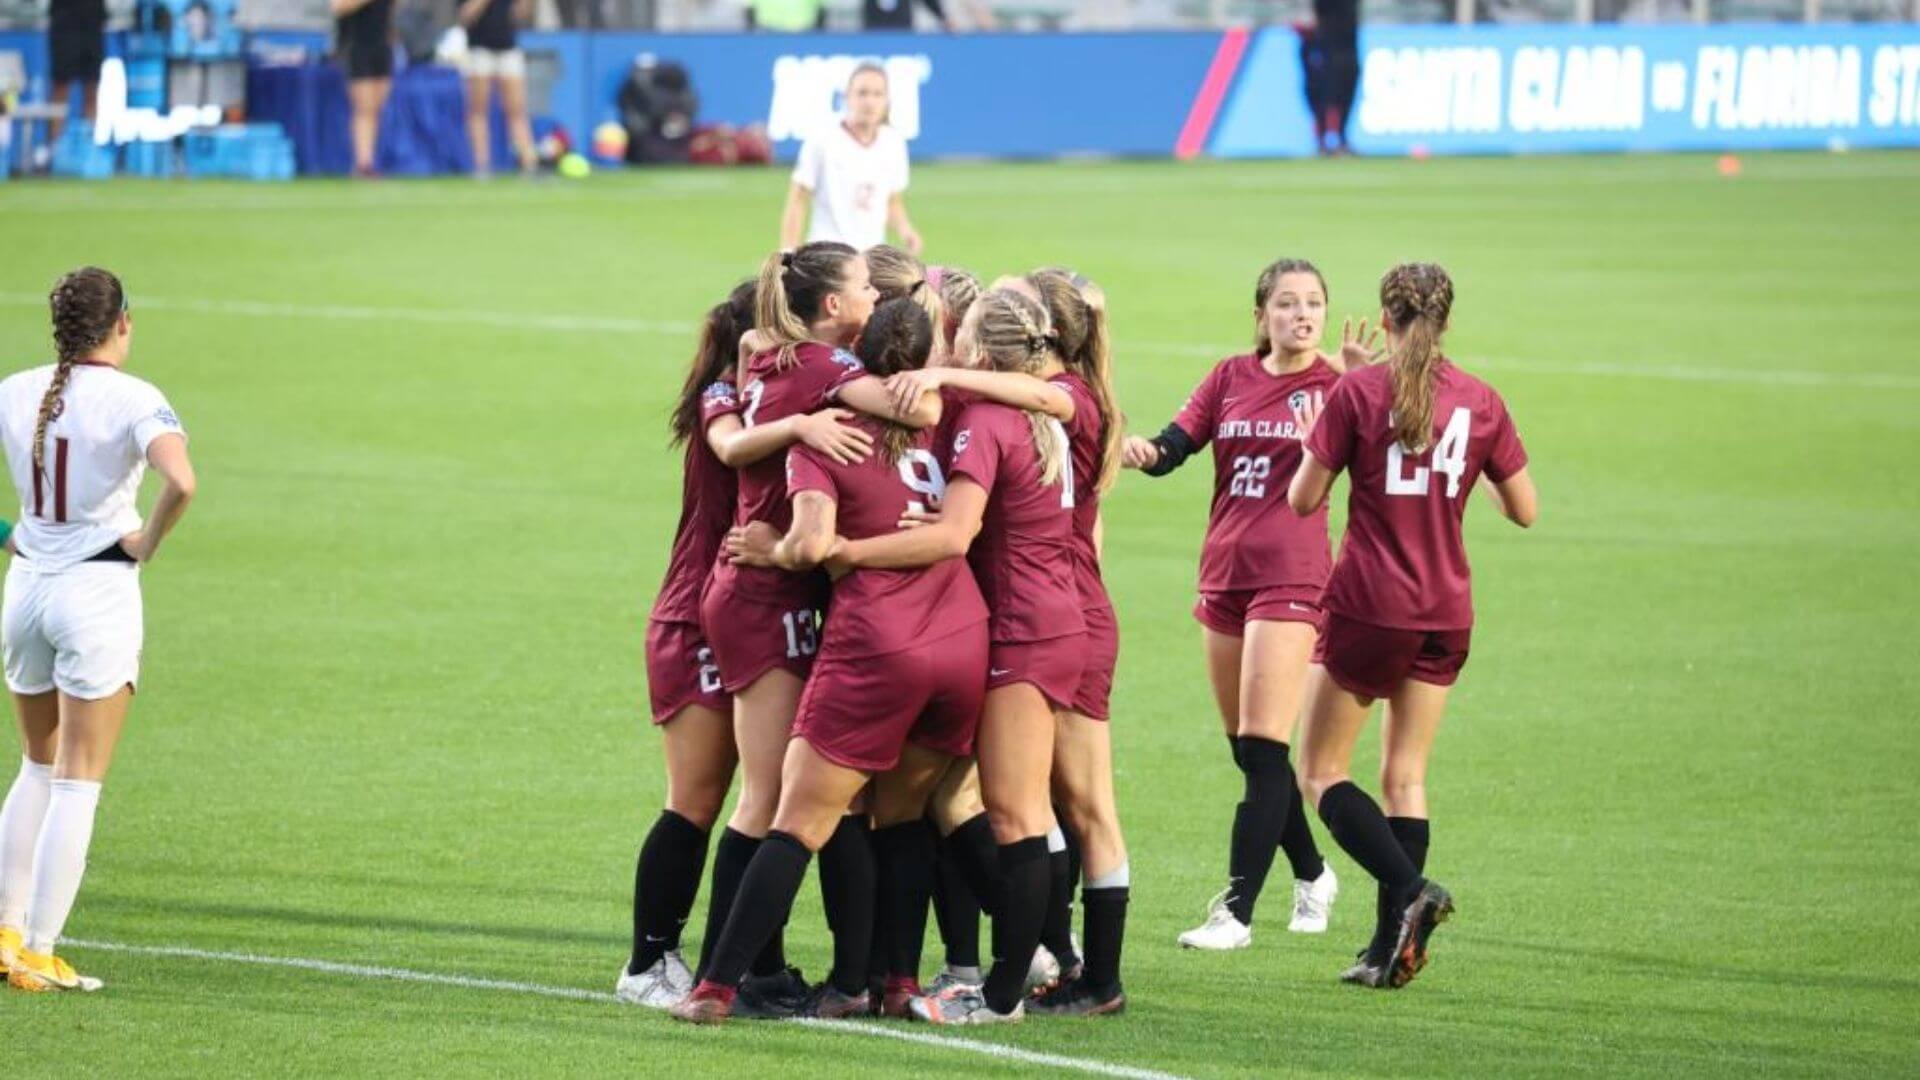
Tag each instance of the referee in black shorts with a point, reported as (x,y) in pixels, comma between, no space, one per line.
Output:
(76,45)
(363,44)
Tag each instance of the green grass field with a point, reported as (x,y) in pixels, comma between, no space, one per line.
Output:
(391,707)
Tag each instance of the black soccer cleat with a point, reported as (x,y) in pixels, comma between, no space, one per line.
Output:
(1429,908)
(1076,997)
(779,996)
(827,1003)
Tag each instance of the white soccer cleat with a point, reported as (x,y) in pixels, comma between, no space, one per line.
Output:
(1313,902)
(1044,970)
(1221,931)
(661,986)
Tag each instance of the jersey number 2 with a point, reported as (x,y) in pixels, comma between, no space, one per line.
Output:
(59,449)
(1449,456)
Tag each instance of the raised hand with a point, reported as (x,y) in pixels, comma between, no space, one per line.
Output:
(1358,345)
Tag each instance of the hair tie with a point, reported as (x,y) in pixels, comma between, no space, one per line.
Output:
(786,260)
(916,287)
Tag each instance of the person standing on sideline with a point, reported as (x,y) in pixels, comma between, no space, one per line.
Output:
(363,42)
(495,64)
(853,176)
(76,46)
(1332,60)
(79,434)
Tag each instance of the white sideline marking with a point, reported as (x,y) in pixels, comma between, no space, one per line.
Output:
(596,324)
(468,982)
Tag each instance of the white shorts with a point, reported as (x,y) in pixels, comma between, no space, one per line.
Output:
(79,630)
(488,64)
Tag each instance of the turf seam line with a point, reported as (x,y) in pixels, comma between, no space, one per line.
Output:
(590,324)
(469,982)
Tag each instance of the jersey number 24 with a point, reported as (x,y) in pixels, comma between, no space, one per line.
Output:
(1449,456)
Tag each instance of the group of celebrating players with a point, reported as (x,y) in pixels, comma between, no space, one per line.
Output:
(884,611)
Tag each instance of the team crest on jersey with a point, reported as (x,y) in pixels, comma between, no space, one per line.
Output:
(961,440)
(847,360)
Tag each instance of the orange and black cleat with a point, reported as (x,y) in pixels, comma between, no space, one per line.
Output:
(1430,907)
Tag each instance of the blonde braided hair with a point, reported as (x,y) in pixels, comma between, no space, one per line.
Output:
(1011,332)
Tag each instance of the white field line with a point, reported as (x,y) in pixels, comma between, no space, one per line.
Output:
(586,324)
(468,982)
(591,324)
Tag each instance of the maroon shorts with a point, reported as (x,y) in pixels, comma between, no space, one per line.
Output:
(681,671)
(1228,611)
(1054,666)
(751,637)
(859,712)
(1093,699)
(1373,661)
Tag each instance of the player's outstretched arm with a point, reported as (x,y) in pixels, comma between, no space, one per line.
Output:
(737,445)
(1020,390)
(871,396)
(947,538)
(168,456)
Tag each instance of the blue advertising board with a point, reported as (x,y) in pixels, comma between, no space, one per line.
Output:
(1560,89)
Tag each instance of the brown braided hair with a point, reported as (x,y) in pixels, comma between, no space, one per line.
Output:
(718,351)
(1416,300)
(899,337)
(1011,332)
(1263,289)
(86,304)
(1078,309)
(793,288)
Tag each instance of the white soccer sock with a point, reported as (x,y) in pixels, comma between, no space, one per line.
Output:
(60,860)
(20,820)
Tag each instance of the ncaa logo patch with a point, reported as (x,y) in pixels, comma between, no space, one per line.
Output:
(719,393)
(847,360)
(167,417)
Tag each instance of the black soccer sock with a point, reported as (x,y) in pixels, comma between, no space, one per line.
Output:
(847,892)
(1106,922)
(1259,821)
(977,855)
(1303,854)
(666,878)
(958,911)
(730,858)
(905,857)
(1056,933)
(1361,829)
(764,898)
(1413,835)
(1016,922)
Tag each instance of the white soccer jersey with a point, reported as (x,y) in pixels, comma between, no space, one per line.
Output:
(851,183)
(96,453)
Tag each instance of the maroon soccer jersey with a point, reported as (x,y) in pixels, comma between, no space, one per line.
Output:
(876,612)
(1403,563)
(707,493)
(767,393)
(1086,436)
(1254,420)
(1023,557)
